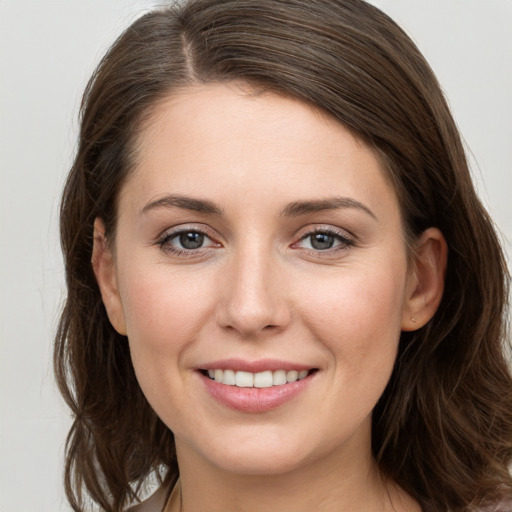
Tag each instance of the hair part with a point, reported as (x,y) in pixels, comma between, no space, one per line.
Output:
(443,428)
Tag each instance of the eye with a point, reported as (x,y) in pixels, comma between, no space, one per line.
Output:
(185,241)
(324,240)
(190,240)
(321,241)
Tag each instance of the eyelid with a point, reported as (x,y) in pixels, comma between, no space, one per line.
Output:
(345,238)
(173,232)
(326,228)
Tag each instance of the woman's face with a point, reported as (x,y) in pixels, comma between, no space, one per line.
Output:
(258,241)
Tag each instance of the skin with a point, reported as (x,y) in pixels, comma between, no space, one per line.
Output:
(258,288)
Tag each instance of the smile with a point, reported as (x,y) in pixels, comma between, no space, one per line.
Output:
(264,379)
(271,384)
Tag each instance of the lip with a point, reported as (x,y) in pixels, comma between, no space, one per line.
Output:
(255,400)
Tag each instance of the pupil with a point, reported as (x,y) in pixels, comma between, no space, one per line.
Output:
(191,240)
(322,241)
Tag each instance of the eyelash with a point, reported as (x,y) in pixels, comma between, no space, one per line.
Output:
(163,241)
(345,241)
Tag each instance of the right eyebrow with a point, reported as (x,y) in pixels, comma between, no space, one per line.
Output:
(298,208)
(185,203)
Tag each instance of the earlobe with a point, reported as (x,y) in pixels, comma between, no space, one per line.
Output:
(103,264)
(426,281)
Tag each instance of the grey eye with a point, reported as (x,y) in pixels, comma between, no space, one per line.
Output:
(322,241)
(191,240)
(325,240)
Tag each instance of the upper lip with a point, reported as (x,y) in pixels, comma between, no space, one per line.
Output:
(260,365)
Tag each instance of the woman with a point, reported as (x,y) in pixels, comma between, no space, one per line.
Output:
(296,300)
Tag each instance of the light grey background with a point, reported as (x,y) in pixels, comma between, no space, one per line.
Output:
(48,49)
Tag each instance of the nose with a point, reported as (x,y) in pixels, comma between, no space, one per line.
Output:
(253,295)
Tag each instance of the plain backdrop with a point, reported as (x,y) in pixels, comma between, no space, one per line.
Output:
(48,49)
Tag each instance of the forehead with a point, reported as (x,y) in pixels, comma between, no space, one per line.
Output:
(227,140)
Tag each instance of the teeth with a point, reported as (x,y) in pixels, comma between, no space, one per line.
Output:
(244,379)
(264,379)
(229,378)
(279,378)
(292,376)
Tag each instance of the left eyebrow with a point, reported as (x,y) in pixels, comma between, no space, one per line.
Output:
(298,208)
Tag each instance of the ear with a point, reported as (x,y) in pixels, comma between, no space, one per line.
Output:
(425,283)
(103,264)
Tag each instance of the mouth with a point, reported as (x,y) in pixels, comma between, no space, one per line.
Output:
(263,379)
(256,386)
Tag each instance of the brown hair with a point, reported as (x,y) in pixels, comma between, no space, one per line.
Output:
(443,427)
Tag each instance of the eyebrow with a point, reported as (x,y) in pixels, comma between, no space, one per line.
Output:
(298,208)
(294,209)
(185,203)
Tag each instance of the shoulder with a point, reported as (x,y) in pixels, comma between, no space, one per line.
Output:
(155,503)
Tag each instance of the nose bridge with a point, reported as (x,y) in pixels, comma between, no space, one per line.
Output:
(253,300)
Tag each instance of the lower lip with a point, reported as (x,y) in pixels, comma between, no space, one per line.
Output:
(255,399)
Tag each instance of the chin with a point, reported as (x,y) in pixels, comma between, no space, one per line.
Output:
(261,453)
(265,463)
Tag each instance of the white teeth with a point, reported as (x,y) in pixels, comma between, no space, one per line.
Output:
(218,375)
(229,378)
(279,378)
(244,379)
(292,376)
(264,379)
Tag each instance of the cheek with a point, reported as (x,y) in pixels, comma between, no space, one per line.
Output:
(164,316)
(163,310)
(357,317)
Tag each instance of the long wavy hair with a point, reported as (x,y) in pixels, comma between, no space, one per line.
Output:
(442,429)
